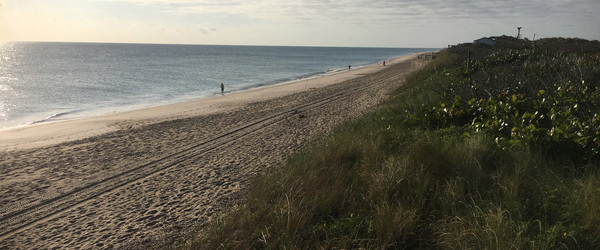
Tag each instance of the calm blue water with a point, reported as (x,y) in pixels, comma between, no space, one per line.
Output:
(42,82)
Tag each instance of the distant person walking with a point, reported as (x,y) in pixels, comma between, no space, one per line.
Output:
(384,63)
(349,67)
(222,88)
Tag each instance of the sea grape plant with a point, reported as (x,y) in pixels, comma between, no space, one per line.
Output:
(547,100)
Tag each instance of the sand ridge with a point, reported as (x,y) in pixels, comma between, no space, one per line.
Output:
(143,175)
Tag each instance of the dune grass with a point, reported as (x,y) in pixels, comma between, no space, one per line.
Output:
(503,156)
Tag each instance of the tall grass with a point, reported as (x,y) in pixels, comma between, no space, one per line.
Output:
(406,177)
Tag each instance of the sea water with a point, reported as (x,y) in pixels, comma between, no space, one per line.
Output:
(41,82)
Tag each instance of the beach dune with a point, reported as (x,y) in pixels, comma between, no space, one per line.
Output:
(138,177)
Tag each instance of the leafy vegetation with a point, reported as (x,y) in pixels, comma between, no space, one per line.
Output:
(500,154)
(526,96)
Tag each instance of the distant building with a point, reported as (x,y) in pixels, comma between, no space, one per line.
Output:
(486,41)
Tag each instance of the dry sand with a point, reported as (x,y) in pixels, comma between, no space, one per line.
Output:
(46,134)
(126,179)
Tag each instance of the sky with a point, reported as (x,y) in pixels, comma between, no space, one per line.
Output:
(346,23)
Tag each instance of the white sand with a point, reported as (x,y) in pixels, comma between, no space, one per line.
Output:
(51,133)
(132,178)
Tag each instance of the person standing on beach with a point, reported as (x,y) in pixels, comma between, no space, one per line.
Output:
(384,63)
(349,67)
(222,88)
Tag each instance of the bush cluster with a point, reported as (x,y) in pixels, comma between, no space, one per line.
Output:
(547,100)
(502,154)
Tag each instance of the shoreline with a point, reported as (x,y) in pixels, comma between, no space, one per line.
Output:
(56,132)
(75,114)
(152,179)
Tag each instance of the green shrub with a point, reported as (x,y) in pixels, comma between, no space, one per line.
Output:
(501,155)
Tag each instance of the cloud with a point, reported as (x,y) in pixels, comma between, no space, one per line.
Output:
(375,11)
(206,30)
(387,18)
(302,22)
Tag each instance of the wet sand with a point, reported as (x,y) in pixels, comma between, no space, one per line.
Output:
(134,178)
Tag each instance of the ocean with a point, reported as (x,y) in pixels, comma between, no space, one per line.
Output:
(43,81)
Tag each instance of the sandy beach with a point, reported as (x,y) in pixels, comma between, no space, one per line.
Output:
(133,178)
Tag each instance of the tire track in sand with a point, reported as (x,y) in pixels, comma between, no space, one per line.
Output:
(21,219)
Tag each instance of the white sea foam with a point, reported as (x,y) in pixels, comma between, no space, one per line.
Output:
(51,81)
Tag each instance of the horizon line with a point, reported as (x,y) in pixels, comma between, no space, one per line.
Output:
(209,44)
